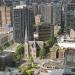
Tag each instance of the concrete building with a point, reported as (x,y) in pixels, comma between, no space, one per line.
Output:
(56,30)
(69,55)
(69,68)
(46,11)
(70,16)
(37,20)
(45,31)
(72,33)
(16,2)
(5,16)
(1,2)
(6,35)
(56,13)
(33,48)
(23,19)
(3,39)
(57,53)
(7,2)
(6,60)
(35,8)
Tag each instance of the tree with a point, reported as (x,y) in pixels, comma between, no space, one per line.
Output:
(1,49)
(6,45)
(42,53)
(20,49)
(29,72)
(26,69)
(60,32)
(30,60)
(51,42)
(19,52)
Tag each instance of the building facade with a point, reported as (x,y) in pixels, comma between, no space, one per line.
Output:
(23,23)
(56,13)
(35,8)
(5,15)
(3,39)
(46,11)
(45,31)
(69,68)
(37,20)
(70,16)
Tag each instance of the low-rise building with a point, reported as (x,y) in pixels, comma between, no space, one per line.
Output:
(69,68)
(56,30)
(56,53)
(5,15)
(6,59)
(33,48)
(69,55)
(3,39)
(7,31)
(72,33)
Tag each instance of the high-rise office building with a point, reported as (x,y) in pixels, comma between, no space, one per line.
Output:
(6,2)
(1,2)
(37,20)
(19,2)
(46,10)
(45,31)
(23,20)
(5,15)
(35,8)
(56,13)
(70,17)
(69,59)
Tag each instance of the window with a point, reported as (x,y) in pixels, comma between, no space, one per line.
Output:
(73,70)
(73,58)
(69,58)
(57,54)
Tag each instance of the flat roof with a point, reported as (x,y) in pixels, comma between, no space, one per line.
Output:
(4,54)
(19,7)
(12,48)
(2,36)
(67,45)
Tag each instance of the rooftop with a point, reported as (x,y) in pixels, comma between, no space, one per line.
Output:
(19,7)
(2,36)
(67,45)
(66,42)
(4,30)
(12,48)
(4,54)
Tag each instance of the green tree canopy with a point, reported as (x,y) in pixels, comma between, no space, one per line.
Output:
(20,49)
(51,41)
(30,59)
(42,53)
(19,52)
(27,69)
(1,48)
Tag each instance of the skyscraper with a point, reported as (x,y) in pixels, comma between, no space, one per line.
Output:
(5,15)
(6,2)
(35,8)
(23,17)
(45,31)
(56,13)
(46,10)
(70,16)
